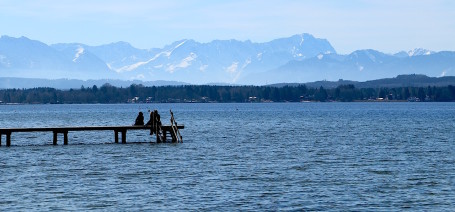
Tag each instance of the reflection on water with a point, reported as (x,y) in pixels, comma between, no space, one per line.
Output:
(316,156)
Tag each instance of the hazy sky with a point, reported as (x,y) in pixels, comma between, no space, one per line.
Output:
(384,25)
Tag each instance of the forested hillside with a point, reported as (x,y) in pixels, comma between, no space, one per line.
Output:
(206,93)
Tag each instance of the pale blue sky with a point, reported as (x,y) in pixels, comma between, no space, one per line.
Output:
(384,25)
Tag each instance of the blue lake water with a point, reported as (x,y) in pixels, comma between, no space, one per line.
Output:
(277,156)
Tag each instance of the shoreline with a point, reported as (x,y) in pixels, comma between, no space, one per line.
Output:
(302,102)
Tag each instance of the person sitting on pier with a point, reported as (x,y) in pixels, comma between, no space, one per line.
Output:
(139,119)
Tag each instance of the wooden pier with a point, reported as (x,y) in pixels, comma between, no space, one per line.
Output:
(161,135)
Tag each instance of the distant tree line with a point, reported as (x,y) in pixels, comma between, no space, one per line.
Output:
(207,93)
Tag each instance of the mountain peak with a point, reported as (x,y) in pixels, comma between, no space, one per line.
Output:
(368,54)
(414,52)
(119,45)
(21,39)
(14,38)
(419,52)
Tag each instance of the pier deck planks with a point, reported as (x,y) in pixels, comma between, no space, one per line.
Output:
(65,130)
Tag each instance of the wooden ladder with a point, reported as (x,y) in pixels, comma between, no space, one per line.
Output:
(175,133)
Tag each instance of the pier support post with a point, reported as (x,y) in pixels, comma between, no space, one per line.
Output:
(65,138)
(158,139)
(8,139)
(164,136)
(123,136)
(1,139)
(116,136)
(54,141)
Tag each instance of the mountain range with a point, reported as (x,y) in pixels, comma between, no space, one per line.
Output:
(299,58)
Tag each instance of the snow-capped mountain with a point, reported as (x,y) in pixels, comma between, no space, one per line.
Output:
(218,61)
(414,52)
(299,58)
(22,57)
(224,61)
(360,65)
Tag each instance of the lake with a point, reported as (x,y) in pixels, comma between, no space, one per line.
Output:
(264,156)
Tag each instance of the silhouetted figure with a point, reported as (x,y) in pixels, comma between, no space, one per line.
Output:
(157,126)
(139,119)
(151,122)
(157,119)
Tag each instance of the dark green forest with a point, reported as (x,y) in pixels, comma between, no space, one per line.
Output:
(206,93)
